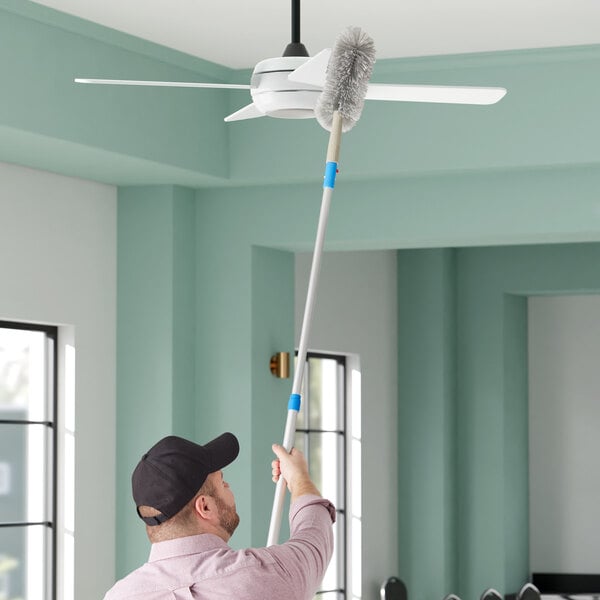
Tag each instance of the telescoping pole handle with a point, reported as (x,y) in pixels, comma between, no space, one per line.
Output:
(331,168)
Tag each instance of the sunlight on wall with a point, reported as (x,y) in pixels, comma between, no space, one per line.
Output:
(68,490)
(356,485)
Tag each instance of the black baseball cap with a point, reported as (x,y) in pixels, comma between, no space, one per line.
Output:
(170,474)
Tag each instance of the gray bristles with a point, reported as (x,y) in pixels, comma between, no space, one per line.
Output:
(348,74)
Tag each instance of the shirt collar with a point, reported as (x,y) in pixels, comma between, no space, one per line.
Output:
(191,544)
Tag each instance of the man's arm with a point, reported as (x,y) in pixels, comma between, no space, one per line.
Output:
(305,556)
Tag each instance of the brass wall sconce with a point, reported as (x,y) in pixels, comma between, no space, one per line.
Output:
(280,365)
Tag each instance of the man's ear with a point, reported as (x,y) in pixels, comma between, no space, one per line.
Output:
(205,507)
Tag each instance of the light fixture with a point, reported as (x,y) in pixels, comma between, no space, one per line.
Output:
(280,365)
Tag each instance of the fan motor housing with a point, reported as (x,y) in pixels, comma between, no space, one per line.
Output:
(276,96)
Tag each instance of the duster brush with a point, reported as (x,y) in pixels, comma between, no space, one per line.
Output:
(348,73)
(338,109)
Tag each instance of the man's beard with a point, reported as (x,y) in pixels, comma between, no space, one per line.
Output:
(228,517)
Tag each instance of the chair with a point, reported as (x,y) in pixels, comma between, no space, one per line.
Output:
(451,597)
(529,592)
(393,589)
(491,594)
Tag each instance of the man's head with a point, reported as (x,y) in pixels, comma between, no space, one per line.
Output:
(215,502)
(173,472)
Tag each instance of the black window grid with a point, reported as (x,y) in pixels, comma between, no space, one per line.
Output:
(51,333)
(342,482)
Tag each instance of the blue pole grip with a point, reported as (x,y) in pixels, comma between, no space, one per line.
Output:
(331,169)
(294,403)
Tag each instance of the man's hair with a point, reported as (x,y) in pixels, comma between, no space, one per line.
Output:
(182,524)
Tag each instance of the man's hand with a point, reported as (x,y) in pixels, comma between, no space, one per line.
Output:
(293,468)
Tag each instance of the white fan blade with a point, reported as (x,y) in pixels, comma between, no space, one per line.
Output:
(191,84)
(248,112)
(435,93)
(313,71)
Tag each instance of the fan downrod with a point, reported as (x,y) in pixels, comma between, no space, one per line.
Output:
(295,47)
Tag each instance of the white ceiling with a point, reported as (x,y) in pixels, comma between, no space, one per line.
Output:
(238,34)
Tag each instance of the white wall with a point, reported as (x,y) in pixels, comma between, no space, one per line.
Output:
(58,266)
(564,426)
(355,312)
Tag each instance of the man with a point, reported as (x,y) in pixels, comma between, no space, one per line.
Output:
(190,514)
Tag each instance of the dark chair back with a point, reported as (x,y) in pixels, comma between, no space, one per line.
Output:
(529,592)
(491,594)
(393,589)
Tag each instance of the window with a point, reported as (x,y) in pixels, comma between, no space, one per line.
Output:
(324,433)
(28,445)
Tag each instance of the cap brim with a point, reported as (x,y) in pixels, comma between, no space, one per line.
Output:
(223,450)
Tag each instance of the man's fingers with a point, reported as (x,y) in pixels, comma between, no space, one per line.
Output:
(280,451)
(276,470)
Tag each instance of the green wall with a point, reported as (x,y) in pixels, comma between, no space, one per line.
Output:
(155,338)
(427,507)
(106,133)
(272,331)
(463,416)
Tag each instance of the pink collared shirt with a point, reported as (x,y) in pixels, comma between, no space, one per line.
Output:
(205,567)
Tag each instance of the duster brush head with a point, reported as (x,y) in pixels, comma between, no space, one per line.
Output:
(348,73)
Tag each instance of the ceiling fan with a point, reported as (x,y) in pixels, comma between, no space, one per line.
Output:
(288,86)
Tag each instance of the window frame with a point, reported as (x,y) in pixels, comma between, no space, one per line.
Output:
(51,333)
(342,483)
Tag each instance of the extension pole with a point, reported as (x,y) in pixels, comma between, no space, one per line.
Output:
(331,168)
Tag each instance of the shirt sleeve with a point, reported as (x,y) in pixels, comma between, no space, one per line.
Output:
(306,555)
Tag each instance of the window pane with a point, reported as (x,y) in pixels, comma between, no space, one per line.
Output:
(323,397)
(324,473)
(301,419)
(23,473)
(23,375)
(330,596)
(300,442)
(23,559)
(334,576)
